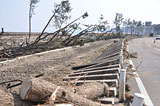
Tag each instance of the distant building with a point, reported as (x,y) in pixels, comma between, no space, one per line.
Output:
(148,23)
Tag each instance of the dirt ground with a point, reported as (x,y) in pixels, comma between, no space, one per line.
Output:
(56,65)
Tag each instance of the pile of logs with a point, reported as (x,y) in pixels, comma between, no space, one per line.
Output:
(36,91)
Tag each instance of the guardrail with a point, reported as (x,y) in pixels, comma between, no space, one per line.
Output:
(105,68)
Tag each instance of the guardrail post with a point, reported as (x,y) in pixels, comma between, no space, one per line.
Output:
(122,85)
(138,99)
(121,58)
(122,44)
(125,66)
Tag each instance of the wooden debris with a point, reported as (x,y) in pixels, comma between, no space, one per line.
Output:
(53,96)
(3,82)
(38,90)
(86,90)
(15,85)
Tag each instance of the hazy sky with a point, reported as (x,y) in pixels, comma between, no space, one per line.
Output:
(14,13)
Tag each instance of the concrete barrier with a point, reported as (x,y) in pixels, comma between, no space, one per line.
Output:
(138,99)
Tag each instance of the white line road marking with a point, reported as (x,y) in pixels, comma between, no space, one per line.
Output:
(143,91)
(141,87)
(131,63)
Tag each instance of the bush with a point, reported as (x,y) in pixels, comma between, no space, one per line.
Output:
(78,42)
(58,45)
(112,36)
(88,40)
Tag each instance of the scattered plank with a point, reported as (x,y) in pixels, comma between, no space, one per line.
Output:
(15,85)
(98,68)
(101,64)
(3,82)
(93,77)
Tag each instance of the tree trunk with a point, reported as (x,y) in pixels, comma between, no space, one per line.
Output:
(2,31)
(30,24)
(86,90)
(39,90)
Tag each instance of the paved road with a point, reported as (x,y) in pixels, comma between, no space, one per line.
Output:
(148,63)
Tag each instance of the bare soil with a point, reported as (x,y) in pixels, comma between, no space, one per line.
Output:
(56,65)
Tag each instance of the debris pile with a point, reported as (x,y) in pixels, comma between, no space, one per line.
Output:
(93,84)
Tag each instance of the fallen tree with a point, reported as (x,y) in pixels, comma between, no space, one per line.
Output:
(41,44)
(38,90)
(87,89)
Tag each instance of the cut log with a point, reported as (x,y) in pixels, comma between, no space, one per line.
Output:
(87,89)
(39,90)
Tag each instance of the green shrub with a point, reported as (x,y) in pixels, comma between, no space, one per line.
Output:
(58,45)
(78,42)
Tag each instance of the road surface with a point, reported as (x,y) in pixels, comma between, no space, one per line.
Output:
(148,65)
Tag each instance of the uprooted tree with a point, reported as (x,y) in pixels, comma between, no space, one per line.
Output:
(101,27)
(32,6)
(103,24)
(58,20)
(63,35)
(118,22)
(60,16)
(63,32)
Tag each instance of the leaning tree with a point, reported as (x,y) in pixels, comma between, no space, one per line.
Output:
(118,22)
(32,6)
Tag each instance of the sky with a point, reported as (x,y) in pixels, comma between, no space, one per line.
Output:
(14,13)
